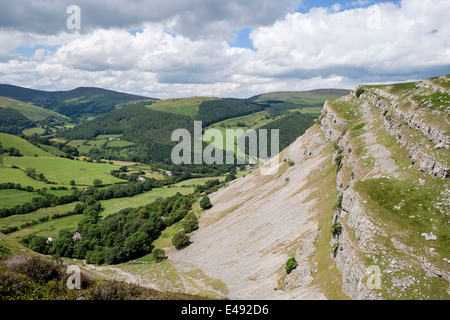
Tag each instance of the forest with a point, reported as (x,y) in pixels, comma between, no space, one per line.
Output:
(125,235)
(217,110)
(13,122)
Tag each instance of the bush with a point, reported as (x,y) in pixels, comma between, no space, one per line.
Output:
(360,91)
(38,269)
(158,254)
(180,240)
(190,223)
(291,264)
(205,203)
(336,228)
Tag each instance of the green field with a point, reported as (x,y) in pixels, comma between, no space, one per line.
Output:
(62,171)
(250,121)
(11,197)
(18,176)
(115,205)
(84,146)
(49,228)
(120,143)
(26,148)
(19,219)
(29,110)
(182,106)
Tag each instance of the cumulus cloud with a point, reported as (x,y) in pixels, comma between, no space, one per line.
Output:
(380,39)
(186,51)
(193,19)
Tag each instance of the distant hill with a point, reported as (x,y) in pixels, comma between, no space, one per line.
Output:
(300,96)
(79,104)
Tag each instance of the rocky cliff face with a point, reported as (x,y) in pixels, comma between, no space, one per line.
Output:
(361,201)
(394,191)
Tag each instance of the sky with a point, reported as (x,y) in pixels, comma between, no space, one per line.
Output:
(232,48)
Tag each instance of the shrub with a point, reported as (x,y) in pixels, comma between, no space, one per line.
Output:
(158,254)
(190,223)
(360,91)
(205,203)
(180,240)
(38,269)
(336,228)
(291,264)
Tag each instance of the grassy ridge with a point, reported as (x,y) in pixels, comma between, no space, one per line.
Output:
(182,106)
(29,110)
(26,148)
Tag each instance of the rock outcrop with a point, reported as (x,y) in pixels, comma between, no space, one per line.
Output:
(334,192)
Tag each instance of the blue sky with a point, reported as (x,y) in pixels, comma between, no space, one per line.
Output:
(345,4)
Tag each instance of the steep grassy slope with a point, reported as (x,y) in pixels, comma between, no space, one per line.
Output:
(364,216)
(29,110)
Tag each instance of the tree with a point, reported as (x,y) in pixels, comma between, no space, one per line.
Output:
(158,254)
(190,223)
(205,203)
(62,246)
(136,244)
(97,182)
(230,177)
(180,240)
(72,182)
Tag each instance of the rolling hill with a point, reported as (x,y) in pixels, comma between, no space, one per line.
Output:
(78,104)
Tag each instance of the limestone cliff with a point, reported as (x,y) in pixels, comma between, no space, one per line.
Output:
(361,201)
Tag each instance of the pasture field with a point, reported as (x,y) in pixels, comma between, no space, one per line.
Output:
(17,176)
(115,205)
(62,171)
(11,197)
(250,121)
(29,110)
(19,219)
(49,229)
(26,148)
(120,143)
(84,146)
(182,106)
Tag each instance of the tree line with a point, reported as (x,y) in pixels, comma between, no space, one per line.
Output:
(213,111)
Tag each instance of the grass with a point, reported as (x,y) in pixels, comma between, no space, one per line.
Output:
(33,131)
(405,214)
(120,143)
(50,228)
(19,177)
(11,197)
(115,205)
(18,220)
(250,121)
(408,199)
(26,148)
(182,106)
(29,110)
(84,146)
(62,171)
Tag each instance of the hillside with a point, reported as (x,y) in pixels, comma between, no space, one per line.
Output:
(145,129)
(357,207)
(364,190)
(79,104)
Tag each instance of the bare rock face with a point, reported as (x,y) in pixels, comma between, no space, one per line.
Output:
(244,240)
(258,222)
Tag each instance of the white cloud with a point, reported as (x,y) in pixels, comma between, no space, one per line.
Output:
(323,42)
(319,49)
